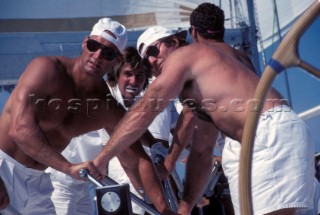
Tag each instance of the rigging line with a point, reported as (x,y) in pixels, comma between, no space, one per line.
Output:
(280,39)
(263,54)
(238,17)
(231,13)
(253,37)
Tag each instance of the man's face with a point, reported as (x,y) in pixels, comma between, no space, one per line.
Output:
(156,53)
(131,81)
(100,55)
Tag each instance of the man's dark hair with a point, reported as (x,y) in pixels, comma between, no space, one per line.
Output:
(208,20)
(130,55)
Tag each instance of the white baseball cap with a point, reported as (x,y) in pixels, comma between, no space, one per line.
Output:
(119,30)
(155,33)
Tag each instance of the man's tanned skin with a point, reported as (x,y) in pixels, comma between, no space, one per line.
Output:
(203,76)
(58,98)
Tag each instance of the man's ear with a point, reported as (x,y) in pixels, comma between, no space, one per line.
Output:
(84,42)
(195,35)
(176,42)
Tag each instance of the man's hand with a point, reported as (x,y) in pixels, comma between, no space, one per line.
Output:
(4,197)
(101,165)
(89,165)
(161,171)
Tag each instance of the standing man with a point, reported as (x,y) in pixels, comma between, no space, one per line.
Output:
(207,26)
(58,98)
(218,88)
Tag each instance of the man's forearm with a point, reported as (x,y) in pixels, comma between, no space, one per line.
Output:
(33,142)
(181,138)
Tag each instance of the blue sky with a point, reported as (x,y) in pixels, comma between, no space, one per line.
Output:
(304,88)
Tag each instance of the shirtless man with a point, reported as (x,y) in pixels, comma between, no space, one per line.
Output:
(218,88)
(58,98)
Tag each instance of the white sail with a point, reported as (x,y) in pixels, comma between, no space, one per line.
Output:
(266,17)
(132,13)
(78,15)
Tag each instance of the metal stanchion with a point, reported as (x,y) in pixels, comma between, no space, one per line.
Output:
(109,182)
(158,154)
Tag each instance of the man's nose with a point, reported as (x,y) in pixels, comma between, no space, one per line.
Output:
(98,53)
(133,80)
(152,60)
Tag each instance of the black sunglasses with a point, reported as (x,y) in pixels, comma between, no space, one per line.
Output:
(153,51)
(107,52)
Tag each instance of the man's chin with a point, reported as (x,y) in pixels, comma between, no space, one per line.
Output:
(156,73)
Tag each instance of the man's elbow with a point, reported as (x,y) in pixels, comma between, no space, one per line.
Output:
(20,135)
(14,133)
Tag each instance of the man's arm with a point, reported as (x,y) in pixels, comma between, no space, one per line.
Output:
(199,164)
(181,138)
(26,116)
(158,95)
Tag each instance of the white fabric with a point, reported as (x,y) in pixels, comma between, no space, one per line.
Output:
(70,194)
(72,198)
(153,34)
(83,148)
(29,190)
(166,120)
(282,163)
(159,128)
(161,125)
(119,30)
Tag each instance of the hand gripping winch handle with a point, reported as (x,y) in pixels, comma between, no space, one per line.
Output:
(86,175)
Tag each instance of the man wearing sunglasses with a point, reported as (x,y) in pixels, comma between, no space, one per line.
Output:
(56,99)
(218,88)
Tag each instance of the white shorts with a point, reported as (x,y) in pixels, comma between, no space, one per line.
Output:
(72,198)
(282,163)
(29,189)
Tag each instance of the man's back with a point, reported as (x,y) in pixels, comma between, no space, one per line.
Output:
(217,83)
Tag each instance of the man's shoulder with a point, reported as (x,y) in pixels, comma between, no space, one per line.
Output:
(199,48)
(53,60)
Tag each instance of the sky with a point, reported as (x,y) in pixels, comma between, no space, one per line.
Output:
(304,88)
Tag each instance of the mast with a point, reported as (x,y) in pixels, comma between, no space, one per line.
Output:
(253,36)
